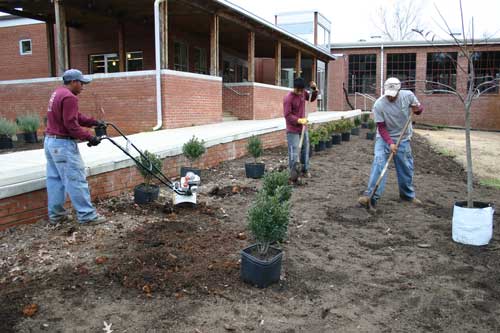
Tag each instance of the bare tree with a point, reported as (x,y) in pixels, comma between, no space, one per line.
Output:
(397,22)
(466,46)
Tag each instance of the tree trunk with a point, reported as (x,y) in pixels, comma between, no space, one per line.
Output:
(468,149)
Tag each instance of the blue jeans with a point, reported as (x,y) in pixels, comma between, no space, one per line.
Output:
(293,150)
(404,169)
(66,175)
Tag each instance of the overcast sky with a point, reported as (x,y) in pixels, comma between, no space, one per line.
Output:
(353,19)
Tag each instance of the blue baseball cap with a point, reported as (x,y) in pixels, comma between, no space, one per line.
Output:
(75,75)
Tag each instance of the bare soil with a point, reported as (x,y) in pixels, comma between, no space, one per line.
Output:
(160,268)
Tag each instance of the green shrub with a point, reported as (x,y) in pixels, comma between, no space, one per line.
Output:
(365,117)
(276,184)
(193,149)
(254,147)
(28,123)
(7,127)
(357,121)
(323,133)
(337,127)
(313,137)
(347,125)
(268,220)
(372,125)
(153,163)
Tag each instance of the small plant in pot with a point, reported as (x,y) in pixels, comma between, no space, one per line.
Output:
(372,127)
(322,134)
(365,116)
(7,130)
(327,136)
(151,165)
(337,133)
(346,129)
(313,140)
(357,124)
(29,124)
(255,170)
(268,223)
(192,150)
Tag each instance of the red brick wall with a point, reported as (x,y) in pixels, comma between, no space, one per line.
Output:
(16,66)
(31,207)
(238,100)
(441,109)
(129,102)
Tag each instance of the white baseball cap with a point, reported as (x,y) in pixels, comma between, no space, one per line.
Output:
(392,86)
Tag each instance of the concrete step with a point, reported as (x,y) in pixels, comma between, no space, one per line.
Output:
(228,116)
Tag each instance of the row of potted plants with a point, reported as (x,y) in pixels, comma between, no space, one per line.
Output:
(27,124)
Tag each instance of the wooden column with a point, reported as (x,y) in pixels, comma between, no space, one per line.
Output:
(62,37)
(298,64)
(251,56)
(164,34)
(277,63)
(214,45)
(122,53)
(314,69)
(51,48)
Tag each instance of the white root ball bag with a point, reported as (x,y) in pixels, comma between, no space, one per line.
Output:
(472,226)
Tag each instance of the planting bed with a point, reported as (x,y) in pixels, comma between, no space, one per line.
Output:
(161,268)
(23,146)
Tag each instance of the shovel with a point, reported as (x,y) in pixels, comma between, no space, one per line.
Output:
(297,166)
(386,167)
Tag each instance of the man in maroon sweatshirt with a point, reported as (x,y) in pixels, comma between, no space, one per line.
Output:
(65,168)
(294,110)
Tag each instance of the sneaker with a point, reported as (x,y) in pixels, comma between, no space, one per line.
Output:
(97,220)
(364,201)
(63,219)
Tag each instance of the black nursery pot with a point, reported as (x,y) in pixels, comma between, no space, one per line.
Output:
(30,137)
(370,136)
(144,195)
(320,146)
(336,139)
(259,272)
(329,144)
(355,131)
(346,136)
(311,151)
(6,142)
(255,170)
(364,125)
(185,170)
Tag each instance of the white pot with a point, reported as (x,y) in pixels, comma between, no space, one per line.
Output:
(472,226)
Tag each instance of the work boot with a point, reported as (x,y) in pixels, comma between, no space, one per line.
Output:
(97,220)
(364,201)
(63,219)
(414,201)
(306,174)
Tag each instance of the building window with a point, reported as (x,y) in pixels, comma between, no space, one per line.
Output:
(104,63)
(362,73)
(200,60)
(487,68)
(25,47)
(403,66)
(135,61)
(180,57)
(442,69)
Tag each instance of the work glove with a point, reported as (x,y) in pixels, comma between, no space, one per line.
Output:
(94,141)
(302,121)
(100,123)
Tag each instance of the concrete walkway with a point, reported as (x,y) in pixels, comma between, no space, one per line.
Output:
(24,171)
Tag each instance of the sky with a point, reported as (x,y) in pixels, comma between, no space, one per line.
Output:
(352,20)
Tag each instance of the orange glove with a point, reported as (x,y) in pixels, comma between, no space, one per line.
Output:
(302,121)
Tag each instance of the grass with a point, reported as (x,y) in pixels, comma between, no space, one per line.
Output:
(446,152)
(491,182)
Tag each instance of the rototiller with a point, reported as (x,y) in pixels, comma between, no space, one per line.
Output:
(184,191)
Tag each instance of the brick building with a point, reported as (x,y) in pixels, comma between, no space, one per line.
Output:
(358,69)
(206,59)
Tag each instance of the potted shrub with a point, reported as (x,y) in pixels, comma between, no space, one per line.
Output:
(254,147)
(328,136)
(365,116)
(7,131)
(147,192)
(268,223)
(192,150)
(355,128)
(337,133)
(313,140)
(372,127)
(346,129)
(322,134)
(28,124)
